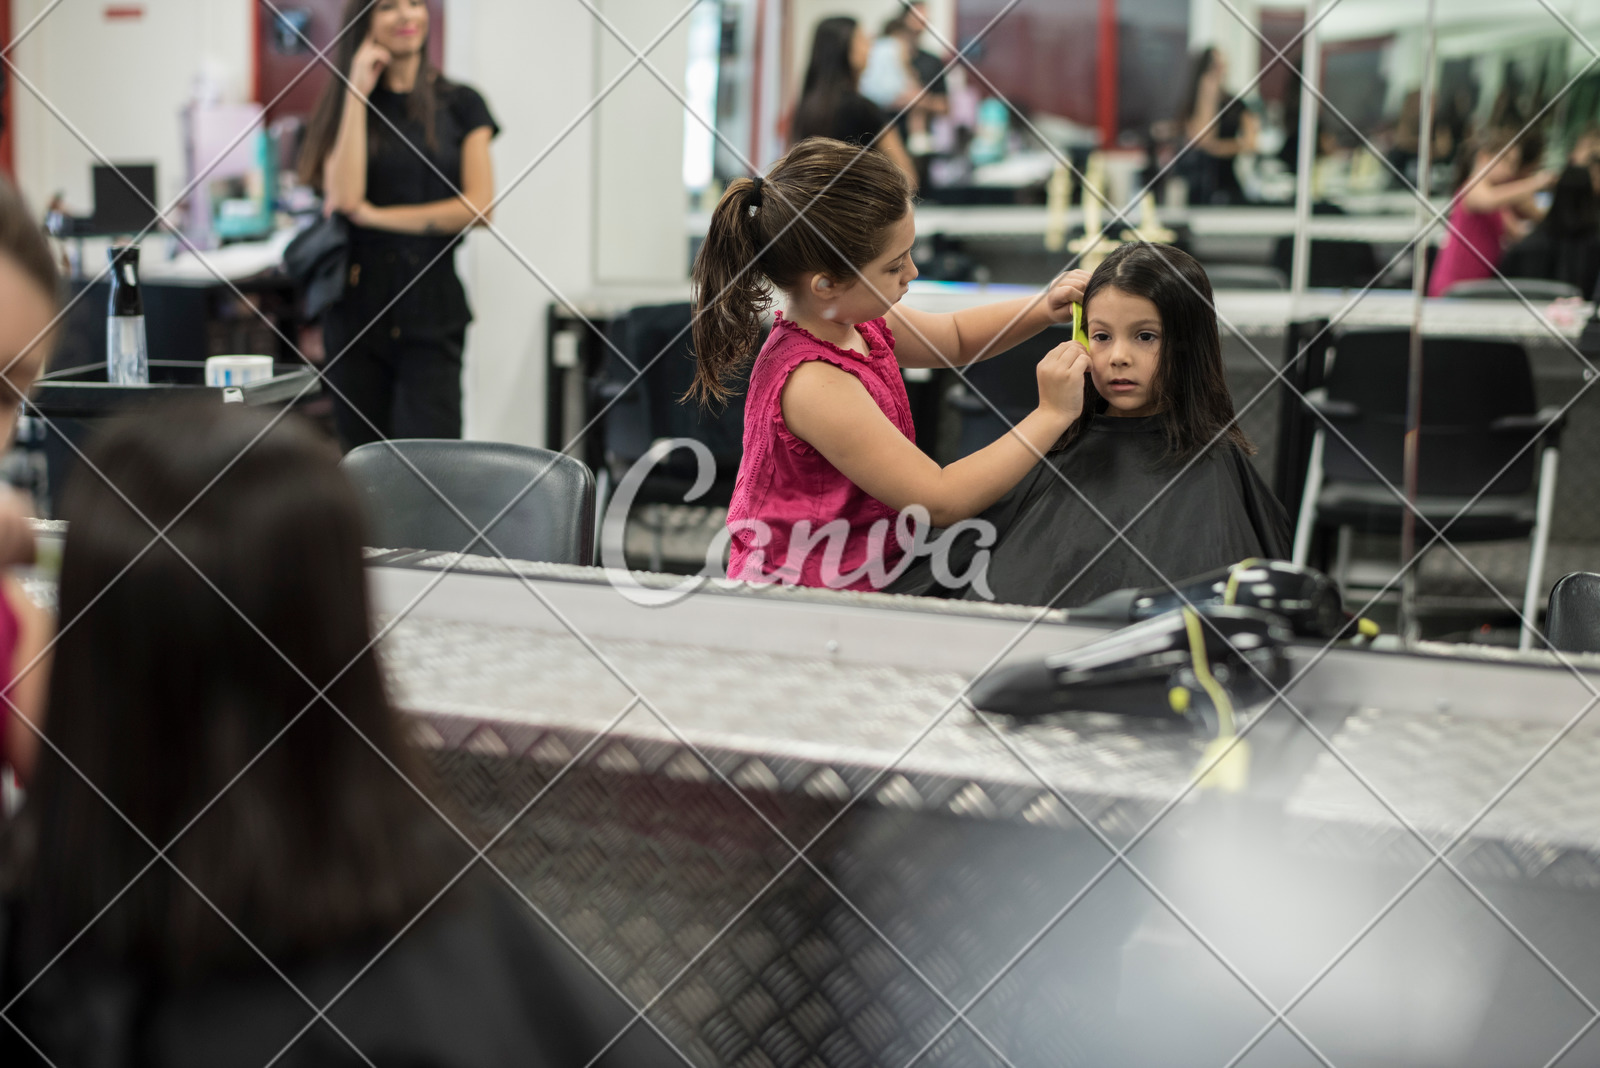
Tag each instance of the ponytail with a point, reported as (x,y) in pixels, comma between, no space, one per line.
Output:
(824,208)
(730,294)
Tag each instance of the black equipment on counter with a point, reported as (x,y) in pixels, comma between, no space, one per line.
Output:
(1190,663)
(127,350)
(1308,601)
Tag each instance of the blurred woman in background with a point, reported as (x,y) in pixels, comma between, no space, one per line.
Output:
(1565,245)
(1219,129)
(831,104)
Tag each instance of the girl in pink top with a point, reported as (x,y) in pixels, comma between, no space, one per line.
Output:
(1478,218)
(832,486)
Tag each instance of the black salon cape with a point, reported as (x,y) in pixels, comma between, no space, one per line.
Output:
(476,983)
(1217,512)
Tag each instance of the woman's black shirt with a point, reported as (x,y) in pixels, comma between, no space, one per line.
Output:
(402,169)
(853,119)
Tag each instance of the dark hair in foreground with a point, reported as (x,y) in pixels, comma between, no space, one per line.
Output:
(422,104)
(849,198)
(22,238)
(161,694)
(1190,388)
(829,78)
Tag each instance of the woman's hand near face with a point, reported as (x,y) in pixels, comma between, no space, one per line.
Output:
(1067,291)
(368,66)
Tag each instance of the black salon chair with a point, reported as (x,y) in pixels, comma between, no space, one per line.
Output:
(1532,289)
(644,407)
(1008,382)
(532,504)
(1334,264)
(1478,415)
(1573,623)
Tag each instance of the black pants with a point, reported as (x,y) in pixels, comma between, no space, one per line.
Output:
(391,383)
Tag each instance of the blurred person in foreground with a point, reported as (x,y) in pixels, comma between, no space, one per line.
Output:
(30,291)
(220,698)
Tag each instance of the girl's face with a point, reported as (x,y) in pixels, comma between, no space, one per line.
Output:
(883,281)
(1503,170)
(1124,351)
(401,26)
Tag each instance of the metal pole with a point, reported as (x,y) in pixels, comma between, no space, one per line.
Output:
(1409,627)
(1311,68)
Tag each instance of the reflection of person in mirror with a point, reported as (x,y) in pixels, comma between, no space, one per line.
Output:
(1219,129)
(1564,246)
(1486,187)
(1159,454)
(828,432)
(403,152)
(831,103)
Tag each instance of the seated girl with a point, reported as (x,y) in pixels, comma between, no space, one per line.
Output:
(218,697)
(1162,458)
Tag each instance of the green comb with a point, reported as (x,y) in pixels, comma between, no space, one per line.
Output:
(1078,334)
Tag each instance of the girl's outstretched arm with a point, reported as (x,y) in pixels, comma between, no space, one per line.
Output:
(956,339)
(1482,196)
(832,411)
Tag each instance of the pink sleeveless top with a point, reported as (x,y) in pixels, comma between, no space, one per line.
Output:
(10,634)
(1484,231)
(820,529)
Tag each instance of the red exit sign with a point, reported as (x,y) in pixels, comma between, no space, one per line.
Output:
(124,12)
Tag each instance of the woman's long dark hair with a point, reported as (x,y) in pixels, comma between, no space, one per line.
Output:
(829,78)
(1203,61)
(826,207)
(422,104)
(1190,389)
(168,701)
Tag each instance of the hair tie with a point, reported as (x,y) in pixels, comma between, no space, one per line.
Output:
(753,201)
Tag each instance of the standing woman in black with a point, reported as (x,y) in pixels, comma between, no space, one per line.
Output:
(404,154)
(831,104)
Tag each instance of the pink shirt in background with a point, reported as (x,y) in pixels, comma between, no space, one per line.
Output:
(784,482)
(1484,231)
(10,634)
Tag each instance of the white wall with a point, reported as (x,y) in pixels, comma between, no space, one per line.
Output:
(121,84)
(1211,23)
(534,62)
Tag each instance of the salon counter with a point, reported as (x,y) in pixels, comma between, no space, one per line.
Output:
(654,771)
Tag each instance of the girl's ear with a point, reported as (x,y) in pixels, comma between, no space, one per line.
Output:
(822,286)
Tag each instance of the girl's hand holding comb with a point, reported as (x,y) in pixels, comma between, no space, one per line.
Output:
(1064,293)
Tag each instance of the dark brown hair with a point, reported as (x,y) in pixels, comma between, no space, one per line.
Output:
(422,103)
(1190,389)
(22,238)
(1491,143)
(824,208)
(165,694)
(829,80)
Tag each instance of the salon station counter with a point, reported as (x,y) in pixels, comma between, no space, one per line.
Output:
(769,816)
(1057,893)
